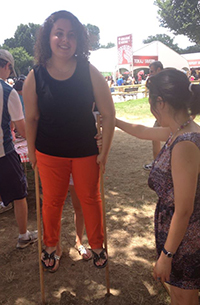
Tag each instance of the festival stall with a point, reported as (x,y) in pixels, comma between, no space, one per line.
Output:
(193,59)
(156,50)
(106,60)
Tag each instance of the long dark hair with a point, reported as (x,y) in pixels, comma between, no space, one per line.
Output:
(42,46)
(174,87)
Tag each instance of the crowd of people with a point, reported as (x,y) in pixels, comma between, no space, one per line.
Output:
(194,74)
(127,79)
(59,95)
(130,78)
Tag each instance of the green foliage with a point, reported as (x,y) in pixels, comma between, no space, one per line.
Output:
(166,39)
(22,44)
(181,17)
(191,49)
(23,61)
(93,33)
(108,46)
(94,37)
(25,36)
(9,43)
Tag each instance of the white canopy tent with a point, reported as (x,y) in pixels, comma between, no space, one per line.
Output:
(168,57)
(106,60)
(193,59)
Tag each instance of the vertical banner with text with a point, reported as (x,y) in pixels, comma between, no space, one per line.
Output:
(124,48)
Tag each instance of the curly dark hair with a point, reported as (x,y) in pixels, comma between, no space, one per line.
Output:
(174,87)
(42,46)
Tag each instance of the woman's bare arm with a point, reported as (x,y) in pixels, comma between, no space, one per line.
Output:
(31,114)
(144,132)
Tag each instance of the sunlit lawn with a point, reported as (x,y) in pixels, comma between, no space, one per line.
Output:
(133,109)
(137,110)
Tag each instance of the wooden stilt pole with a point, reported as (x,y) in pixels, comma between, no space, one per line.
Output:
(167,287)
(104,216)
(37,193)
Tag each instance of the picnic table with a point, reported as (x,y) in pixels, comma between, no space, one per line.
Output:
(127,91)
(22,149)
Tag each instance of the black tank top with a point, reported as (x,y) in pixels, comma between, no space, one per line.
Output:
(66,126)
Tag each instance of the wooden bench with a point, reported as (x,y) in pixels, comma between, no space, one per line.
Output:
(125,95)
(129,90)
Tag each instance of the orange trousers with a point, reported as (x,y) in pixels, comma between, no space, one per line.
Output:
(54,174)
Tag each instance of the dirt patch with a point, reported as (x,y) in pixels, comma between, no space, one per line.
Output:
(130,208)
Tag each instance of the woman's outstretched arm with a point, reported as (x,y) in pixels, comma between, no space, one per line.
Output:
(144,132)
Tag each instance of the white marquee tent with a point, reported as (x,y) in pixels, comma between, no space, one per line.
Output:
(193,59)
(105,60)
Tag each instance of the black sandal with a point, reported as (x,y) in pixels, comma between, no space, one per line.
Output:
(48,256)
(97,257)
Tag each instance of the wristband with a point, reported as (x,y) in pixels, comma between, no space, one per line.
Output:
(167,253)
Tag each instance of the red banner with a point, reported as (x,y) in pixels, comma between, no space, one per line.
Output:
(141,61)
(194,63)
(124,47)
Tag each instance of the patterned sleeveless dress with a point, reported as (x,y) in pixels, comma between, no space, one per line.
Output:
(185,272)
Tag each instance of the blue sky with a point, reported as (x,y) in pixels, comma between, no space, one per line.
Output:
(114,18)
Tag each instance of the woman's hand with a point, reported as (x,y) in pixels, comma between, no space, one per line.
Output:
(98,137)
(162,268)
(32,159)
(101,160)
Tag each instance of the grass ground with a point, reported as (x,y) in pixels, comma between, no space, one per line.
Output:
(137,110)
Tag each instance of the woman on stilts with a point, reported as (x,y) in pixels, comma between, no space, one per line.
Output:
(59,94)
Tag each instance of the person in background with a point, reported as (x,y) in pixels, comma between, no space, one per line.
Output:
(59,94)
(18,87)
(79,224)
(109,81)
(10,82)
(175,177)
(13,186)
(120,81)
(22,77)
(4,208)
(129,80)
(154,68)
(112,85)
(194,74)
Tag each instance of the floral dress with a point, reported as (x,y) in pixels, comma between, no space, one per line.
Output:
(186,262)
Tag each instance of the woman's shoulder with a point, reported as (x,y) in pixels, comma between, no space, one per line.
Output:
(38,68)
(193,137)
(40,73)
